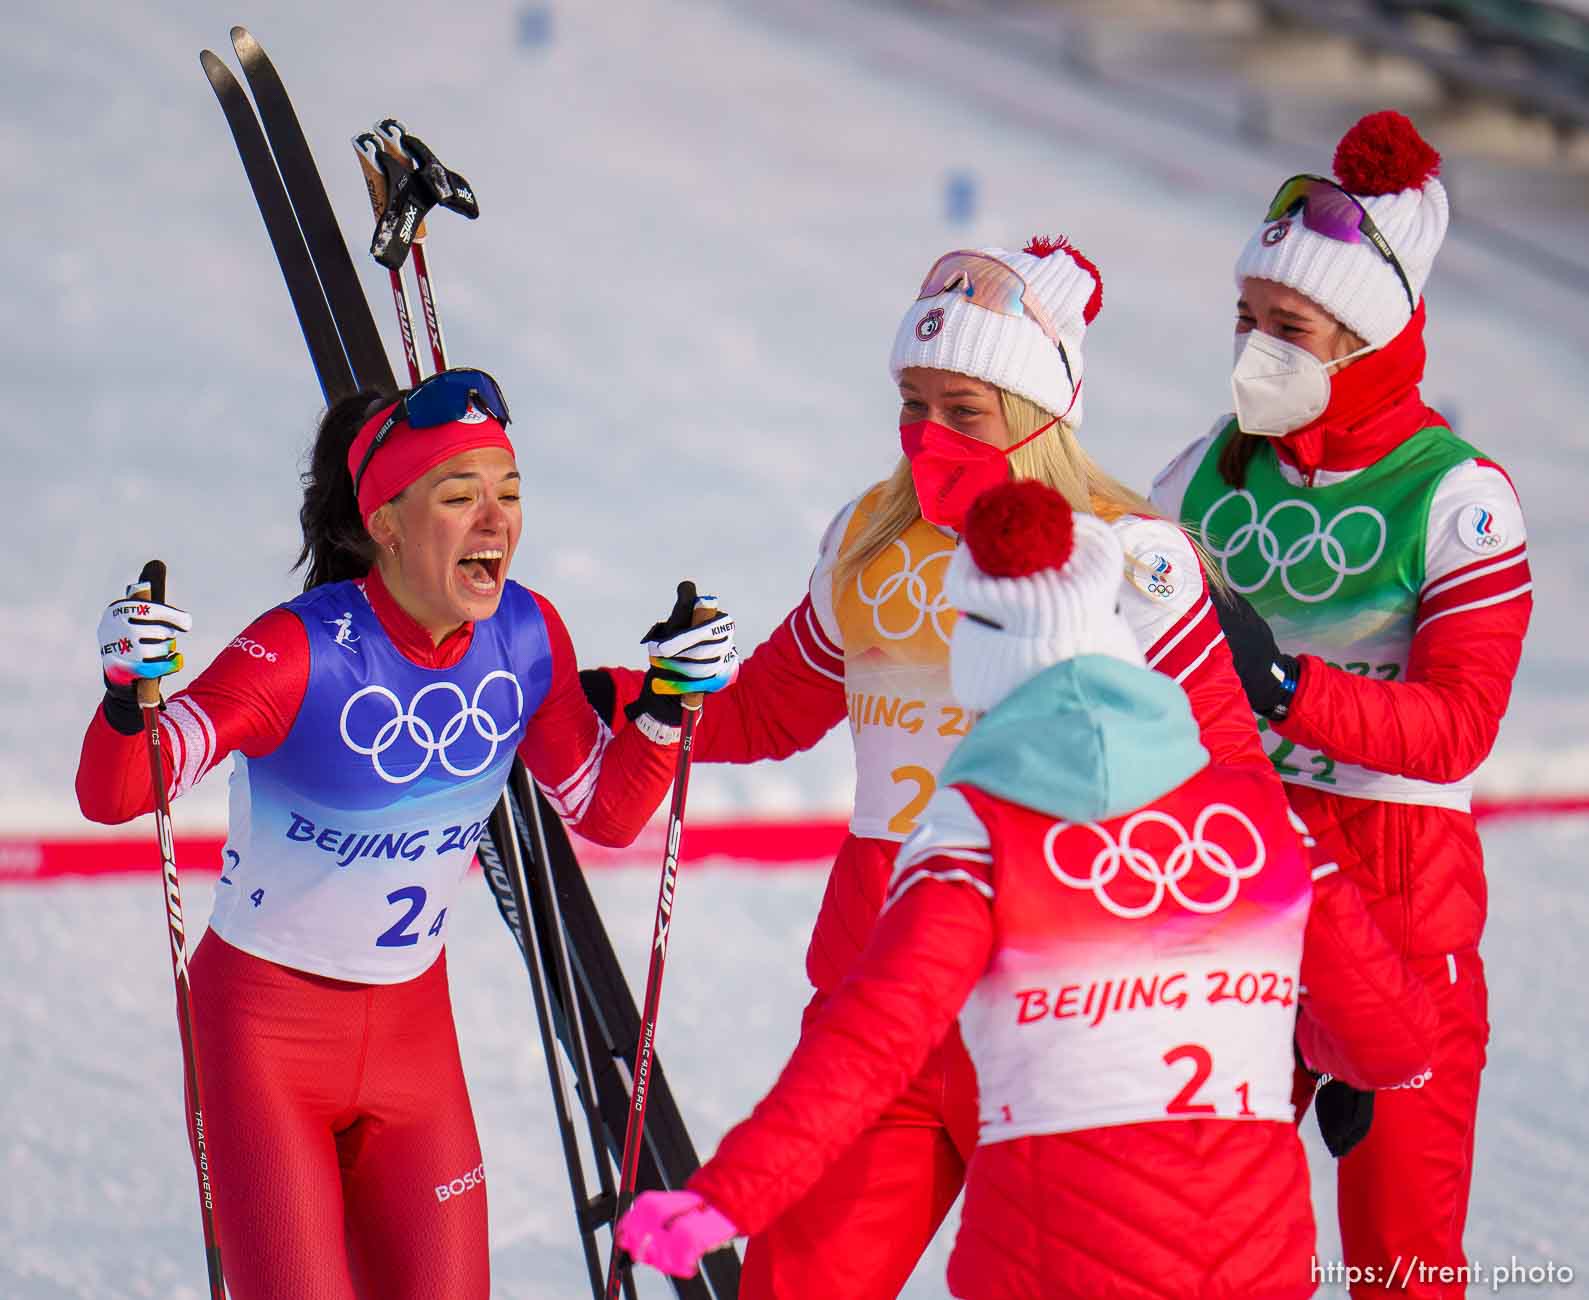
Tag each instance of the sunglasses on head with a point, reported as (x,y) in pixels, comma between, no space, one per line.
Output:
(1329,210)
(989,283)
(446,397)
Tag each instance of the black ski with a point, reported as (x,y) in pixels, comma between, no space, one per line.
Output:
(366,352)
(308,299)
(610,1019)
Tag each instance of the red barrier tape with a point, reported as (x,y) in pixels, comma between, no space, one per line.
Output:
(796,842)
(802,842)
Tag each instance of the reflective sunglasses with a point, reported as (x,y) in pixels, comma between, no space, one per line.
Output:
(1329,210)
(445,397)
(989,283)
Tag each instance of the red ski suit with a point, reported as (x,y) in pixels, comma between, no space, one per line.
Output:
(1132,1042)
(1403,1192)
(874,648)
(343,1149)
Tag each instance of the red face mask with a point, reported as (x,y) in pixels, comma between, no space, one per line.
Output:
(951,470)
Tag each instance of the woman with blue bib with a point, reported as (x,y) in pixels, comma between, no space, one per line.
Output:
(372,722)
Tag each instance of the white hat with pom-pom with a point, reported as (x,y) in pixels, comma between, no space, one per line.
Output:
(1392,171)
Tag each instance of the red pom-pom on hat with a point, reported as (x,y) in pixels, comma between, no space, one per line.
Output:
(1384,154)
(1019,528)
(1047,245)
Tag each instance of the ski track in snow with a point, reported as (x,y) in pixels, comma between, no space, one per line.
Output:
(99,1200)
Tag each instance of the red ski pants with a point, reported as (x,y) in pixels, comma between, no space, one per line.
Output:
(859,1233)
(1402,1193)
(343,1150)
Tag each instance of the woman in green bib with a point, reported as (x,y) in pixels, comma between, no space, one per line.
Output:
(1385,575)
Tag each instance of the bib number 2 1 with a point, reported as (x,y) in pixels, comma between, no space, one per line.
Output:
(1184,1104)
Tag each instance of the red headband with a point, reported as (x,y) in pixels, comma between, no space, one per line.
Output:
(408,454)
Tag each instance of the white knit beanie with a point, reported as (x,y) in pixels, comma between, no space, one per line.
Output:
(1035,584)
(950,331)
(1391,170)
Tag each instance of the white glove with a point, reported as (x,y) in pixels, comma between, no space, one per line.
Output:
(138,638)
(691,660)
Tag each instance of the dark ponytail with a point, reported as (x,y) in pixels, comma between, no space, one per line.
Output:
(1236,456)
(335,544)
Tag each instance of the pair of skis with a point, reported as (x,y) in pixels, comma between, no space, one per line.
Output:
(582,1000)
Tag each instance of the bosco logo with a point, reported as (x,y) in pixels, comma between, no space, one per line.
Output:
(906,598)
(471,732)
(928,326)
(1275,233)
(253,649)
(1292,538)
(1148,876)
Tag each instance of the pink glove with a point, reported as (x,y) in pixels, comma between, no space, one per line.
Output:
(672,1230)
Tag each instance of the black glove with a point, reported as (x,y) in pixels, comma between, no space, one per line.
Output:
(1345,1114)
(1268,677)
(601,691)
(666,708)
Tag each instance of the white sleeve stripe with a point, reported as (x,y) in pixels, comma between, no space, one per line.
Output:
(1192,667)
(571,803)
(1320,872)
(171,738)
(1474,604)
(197,739)
(948,877)
(824,642)
(958,853)
(583,770)
(812,663)
(1454,580)
(1191,623)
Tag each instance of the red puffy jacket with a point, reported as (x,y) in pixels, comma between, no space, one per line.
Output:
(1203,1207)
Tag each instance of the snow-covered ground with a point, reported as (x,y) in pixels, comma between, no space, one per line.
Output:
(97,1200)
(701,223)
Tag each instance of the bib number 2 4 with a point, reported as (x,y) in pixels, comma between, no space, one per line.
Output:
(411,898)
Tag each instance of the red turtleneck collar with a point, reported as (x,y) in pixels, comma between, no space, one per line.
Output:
(408,635)
(1374,408)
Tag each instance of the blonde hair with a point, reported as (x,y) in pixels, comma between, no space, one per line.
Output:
(1057,459)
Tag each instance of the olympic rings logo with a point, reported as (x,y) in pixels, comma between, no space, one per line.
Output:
(1321,536)
(421,733)
(919,596)
(1165,877)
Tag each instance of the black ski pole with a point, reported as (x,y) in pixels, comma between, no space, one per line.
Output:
(153,579)
(375,181)
(394,135)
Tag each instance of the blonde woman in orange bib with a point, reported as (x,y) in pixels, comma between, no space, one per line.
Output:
(988,360)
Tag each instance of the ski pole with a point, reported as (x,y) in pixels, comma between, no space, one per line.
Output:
(153,578)
(645,1050)
(392,132)
(369,150)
